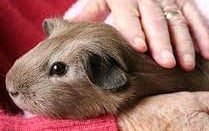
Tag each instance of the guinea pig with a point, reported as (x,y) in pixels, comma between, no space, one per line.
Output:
(85,69)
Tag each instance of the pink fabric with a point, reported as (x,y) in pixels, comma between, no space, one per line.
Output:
(14,123)
(20,30)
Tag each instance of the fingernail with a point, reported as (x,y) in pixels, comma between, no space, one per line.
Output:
(188,60)
(140,44)
(168,58)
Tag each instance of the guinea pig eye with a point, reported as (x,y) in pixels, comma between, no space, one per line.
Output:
(58,68)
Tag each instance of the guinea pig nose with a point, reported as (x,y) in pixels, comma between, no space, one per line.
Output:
(14,93)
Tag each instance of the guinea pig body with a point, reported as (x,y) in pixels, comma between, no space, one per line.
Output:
(87,69)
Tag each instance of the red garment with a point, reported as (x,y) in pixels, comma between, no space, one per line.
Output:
(36,124)
(20,30)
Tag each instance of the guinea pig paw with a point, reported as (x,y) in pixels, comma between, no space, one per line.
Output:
(28,114)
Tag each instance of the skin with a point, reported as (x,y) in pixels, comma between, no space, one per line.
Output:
(184,111)
(143,24)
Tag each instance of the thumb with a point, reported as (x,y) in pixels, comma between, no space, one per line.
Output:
(88,10)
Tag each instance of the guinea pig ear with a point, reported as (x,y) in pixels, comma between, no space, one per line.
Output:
(48,26)
(105,72)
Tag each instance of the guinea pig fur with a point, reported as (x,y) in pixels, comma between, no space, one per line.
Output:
(86,69)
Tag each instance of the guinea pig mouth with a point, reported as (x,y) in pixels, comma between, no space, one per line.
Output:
(21,103)
(25,114)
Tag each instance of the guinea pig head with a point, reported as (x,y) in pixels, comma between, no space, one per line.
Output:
(78,71)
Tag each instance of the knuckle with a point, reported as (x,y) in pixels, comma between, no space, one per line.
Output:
(97,6)
(134,12)
(178,21)
(186,46)
(183,3)
(159,20)
(102,5)
(169,6)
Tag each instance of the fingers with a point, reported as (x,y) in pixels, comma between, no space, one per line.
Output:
(156,30)
(86,10)
(126,19)
(180,35)
(197,25)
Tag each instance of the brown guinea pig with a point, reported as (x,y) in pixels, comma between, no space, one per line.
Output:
(87,69)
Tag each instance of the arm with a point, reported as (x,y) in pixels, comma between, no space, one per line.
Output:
(177,111)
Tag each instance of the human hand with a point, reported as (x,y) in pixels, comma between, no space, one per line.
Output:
(183,111)
(144,25)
